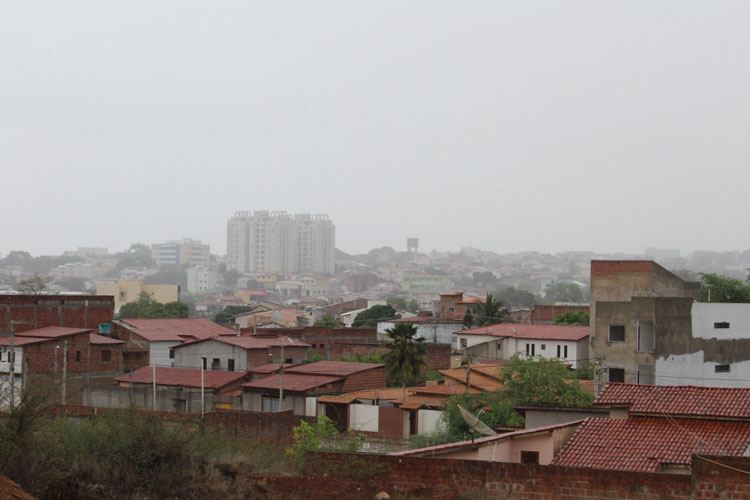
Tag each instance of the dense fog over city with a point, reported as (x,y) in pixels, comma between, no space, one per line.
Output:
(504,126)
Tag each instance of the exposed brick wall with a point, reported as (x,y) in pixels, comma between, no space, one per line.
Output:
(324,339)
(79,311)
(369,379)
(136,352)
(272,428)
(608,267)
(48,357)
(444,479)
(547,313)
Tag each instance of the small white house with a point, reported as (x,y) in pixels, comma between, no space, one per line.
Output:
(502,341)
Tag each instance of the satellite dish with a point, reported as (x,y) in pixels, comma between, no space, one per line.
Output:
(474,423)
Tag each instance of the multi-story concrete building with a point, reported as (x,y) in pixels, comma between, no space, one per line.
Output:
(178,252)
(201,280)
(264,241)
(639,312)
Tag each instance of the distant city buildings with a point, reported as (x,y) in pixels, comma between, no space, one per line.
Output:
(178,252)
(263,241)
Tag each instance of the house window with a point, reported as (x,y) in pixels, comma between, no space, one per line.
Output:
(230,365)
(722,369)
(530,349)
(616,374)
(543,347)
(722,324)
(558,351)
(529,457)
(205,363)
(122,295)
(464,342)
(78,356)
(616,333)
(106,355)
(645,336)
(565,351)
(216,364)
(171,354)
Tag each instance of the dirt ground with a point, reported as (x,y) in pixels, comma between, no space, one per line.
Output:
(11,491)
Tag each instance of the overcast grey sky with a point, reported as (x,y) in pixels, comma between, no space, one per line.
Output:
(509,126)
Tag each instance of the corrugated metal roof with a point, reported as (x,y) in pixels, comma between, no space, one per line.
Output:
(179,329)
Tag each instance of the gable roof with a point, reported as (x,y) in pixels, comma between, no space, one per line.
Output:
(251,341)
(174,329)
(334,368)
(185,377)
(684,400)
(96,339)
(292,382)
(530,331)
(650,443)
(476,443)
(53,332)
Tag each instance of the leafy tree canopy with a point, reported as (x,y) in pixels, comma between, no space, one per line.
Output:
(723,289)
(541,381)
(410,305)
(146,307)
(563,292)
(369,318)
(573,318)
(38,265)
(515,297)
(490,312)
(327,320)
(224,316)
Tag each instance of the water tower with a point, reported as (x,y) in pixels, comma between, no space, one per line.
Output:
(412,245)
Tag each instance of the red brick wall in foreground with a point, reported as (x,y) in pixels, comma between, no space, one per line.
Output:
(443,479)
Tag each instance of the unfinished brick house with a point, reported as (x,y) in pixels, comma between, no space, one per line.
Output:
(66,358)
(32,311)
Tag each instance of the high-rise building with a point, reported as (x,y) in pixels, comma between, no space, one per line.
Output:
(263,241)
(185,251)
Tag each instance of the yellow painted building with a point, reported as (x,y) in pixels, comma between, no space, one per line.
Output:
(125,291)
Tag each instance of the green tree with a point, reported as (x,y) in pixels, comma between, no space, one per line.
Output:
(327,320)
(541,381)
(490,312)
(468,321)
(573,318)
(717,288)
(405,359)
(146,307)
(499,411)
(369,318)
(515,297)
(563,292)
(410,305)
(223,317)
(34,285)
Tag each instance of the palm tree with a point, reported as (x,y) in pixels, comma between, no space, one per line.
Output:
(405,357)
(490,312)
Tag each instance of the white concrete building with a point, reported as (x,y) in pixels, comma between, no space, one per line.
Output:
(430,328)
(502,341)
(185,251)
(201,280)
(263,241)
(715,354)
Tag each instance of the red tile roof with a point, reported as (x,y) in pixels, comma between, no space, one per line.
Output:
(53,332)
(268,368)
(97,339)
(450,447)
(678,400)
(649,443)
(164,330)
(334,368)
(530,331)
(185,377)
(292,382)
(252,342)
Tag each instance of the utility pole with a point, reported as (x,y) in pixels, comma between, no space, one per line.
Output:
(153,367)
(203,392)
(12,362)
(64,370)
(281,385)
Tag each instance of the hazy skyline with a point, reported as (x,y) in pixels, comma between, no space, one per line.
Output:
(507,126)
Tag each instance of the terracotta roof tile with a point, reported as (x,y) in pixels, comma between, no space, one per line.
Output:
(678,400)
(334,368)
(164,330)
(292,382)
(97,339)
(185,377)
(649,443)
(530,331)
(53,332)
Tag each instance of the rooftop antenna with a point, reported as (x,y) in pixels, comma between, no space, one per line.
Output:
(474,423)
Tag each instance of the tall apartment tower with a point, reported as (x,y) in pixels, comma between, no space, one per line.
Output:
(263,241)
(185,251)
